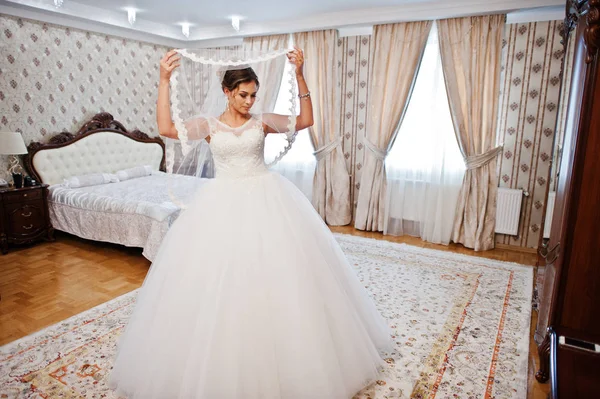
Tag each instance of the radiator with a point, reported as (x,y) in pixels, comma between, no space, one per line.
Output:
(549,213)
(508,211)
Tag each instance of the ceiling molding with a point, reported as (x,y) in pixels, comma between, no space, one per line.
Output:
(234,41)
(355,31)
(536,15)
(521,16)
(102,16)
(349,23)
(375,16)
(89,25)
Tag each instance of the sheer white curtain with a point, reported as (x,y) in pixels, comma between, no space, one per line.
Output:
(299,164)
(425,168)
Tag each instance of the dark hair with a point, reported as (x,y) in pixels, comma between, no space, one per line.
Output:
(234,77)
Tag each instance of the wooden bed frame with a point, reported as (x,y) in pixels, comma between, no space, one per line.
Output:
(100,123)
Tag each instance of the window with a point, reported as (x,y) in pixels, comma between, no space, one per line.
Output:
(426,136)
(425,167)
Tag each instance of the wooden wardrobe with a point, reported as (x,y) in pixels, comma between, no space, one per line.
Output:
(569,313)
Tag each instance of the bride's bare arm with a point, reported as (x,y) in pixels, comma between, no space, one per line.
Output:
(197,128)
(166,127)
(275,123)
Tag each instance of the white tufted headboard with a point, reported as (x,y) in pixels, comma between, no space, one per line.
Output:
(103,150)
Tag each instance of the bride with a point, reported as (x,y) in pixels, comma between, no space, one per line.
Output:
(250,295)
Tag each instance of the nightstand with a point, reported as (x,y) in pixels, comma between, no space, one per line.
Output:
(24,216)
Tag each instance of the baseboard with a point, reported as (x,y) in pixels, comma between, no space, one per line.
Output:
(516,248)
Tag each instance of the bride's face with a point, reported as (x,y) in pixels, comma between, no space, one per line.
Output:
(243,98)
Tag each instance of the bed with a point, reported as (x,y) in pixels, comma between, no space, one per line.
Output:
(136,212)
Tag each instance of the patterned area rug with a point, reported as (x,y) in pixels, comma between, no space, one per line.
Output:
(461,326)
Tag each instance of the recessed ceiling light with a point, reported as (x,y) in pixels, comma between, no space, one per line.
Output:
(185,29)
(131,13)
(235,22)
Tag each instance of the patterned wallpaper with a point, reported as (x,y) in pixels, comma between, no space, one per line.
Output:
(529,106)
(53,79)
(355,56)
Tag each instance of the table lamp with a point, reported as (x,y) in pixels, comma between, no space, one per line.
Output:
(11,143)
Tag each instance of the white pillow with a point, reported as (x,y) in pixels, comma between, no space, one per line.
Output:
(132,173)
(93,179)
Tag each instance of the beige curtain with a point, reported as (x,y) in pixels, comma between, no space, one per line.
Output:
(471,58)
(398,49)
(331,188)
(270,73)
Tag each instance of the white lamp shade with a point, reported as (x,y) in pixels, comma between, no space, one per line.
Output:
(11,143)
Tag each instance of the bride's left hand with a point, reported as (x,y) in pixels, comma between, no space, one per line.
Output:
(296,57)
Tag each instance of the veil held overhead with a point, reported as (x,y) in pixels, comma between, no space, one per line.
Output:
(198,99)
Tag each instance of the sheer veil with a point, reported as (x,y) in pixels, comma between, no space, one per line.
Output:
(197,101)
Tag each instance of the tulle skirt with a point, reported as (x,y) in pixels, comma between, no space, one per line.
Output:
(250,296)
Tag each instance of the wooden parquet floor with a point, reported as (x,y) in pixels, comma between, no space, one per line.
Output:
(46,283)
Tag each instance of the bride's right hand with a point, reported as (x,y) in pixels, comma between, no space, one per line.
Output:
(167,64)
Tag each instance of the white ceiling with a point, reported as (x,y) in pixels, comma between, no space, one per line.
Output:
(159,21)
(215,13)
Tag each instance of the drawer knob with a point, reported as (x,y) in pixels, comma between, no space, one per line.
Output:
(26,215)
(28,227)
(25,195)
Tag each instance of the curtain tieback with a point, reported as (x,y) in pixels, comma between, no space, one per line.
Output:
(477,161)
(327,149)
(379,154)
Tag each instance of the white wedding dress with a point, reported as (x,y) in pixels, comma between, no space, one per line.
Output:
(250,295)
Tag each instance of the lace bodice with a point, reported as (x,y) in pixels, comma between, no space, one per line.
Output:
(238,152)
